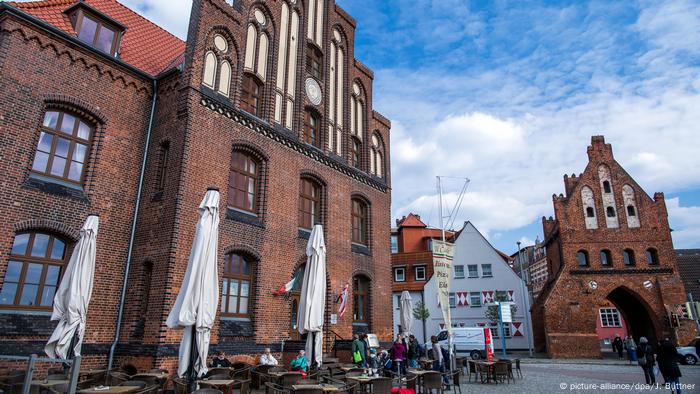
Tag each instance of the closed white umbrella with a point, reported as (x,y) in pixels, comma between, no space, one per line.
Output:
(197,301)
(406,312)
(312,304)
(70,304)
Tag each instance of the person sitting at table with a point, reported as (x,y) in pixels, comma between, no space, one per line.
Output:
(299,363)
(384,361)
(267,358)
(220,360)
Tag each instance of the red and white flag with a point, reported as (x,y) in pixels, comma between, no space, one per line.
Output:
(343,300)
(287,287)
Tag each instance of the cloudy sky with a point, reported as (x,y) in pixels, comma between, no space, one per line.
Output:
(508,94)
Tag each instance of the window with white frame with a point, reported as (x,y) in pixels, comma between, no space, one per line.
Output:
(419,272)
(453,300)
(473,271)
(495,331)
(610,317)
(459,271)
(486,270)
(474,299)
(394,244)
(400,274)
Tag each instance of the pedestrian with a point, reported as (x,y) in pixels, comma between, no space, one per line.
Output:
(220,360)
(267,358)
(438,358)
(697,346)
(398,355)
(618,346)
(645,359)
(412,352)
(358,349)
(631,349)
(668,357)
(365,343)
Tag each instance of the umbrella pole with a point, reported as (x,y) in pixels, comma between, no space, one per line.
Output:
(191,371)
(313,350)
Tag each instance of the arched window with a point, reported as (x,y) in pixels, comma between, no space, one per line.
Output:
(33,270)
(628,255)
(315,23)
(314,62)
(295,296)
(250,94)
(359,221)
(361,304)
(285,88)
(309,203)
(312,128)
(236,285)
(631,211)
(630,203)
(257,45)
(356,153)
(652,256)
(606,187)
(377,157)
(606,258)
(582,257)
(63,148)
(610,212)
(588,203)
(590,213)
(243,182)
(357,111)
(336,102)
(217,69)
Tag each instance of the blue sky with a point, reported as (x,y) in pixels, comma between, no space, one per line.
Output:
(508,93)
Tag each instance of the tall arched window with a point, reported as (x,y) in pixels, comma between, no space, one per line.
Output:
(251,90)
(606,258)
(630,203)
(217,68)
(309,203)
(377,156)
(336,70)
(314,62)
(33,271)
(357,111)
(315,23)
(63,148)
(243,182)
(588,203)
(607,196)
(360,225)
(582,257)
(628,255)
(652,256)
(295,296)
(285,88)
(361,302)
(356,152)
(610,212)
(257,45)
(312,128)
(236,286)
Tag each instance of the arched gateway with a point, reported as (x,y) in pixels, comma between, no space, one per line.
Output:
(609,251)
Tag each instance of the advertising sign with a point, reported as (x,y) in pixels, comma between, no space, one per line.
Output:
(443,253)
(489,344)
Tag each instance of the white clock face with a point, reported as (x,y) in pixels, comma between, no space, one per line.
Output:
(313,91)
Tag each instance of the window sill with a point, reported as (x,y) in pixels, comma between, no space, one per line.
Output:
(55,186)
(25,312)
(361,249)
(473,277)
(243,217)
(459,277)
(485,276)
(233,318)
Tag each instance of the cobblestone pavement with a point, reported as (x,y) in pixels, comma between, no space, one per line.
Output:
(584,378)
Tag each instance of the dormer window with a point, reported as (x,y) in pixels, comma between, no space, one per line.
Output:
(95,29)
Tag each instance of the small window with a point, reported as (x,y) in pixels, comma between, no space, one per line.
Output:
(606,187)
(473,271)
(309,204)
(356,152)
(250,95)
(63,147)
(314,62)
(582,257)
(33,271)
(631,211)
(361,302)
(475,299)
(610,211)
(400,274)
(243,182)
(605,258)
(419,272)
(590,212)
(652,256)
(359,221)
(311,129)
(162,165)
(394,244)
(459,271)
(610,317)
(97,34)
(236,286)
(453,300)
(629,257)
(486,271)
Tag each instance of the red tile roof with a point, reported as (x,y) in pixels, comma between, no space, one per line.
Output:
(144,45)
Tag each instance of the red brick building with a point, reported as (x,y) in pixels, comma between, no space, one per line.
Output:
(609,243)
(106,113)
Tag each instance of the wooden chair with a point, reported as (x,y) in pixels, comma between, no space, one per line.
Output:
(313,377)
(272,388)
(241,373)
(346,389)
(219,371)
(115,378)
(517,368)
(207,391)
(381,385)
(219,376)
(290,379)
(454,378)
(500,371)
(412,382)
(139,383)
(180,385)
(432,381)
(243,386)
(472,370)
(484,372)
(257,375)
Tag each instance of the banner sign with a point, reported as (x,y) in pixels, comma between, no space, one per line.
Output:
(489,344)
(443,253)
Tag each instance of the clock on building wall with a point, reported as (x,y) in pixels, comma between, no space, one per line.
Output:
(313,91)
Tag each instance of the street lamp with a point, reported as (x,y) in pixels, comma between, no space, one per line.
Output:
(526,296)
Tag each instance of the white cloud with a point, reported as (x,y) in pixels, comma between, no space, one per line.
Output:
(685,223)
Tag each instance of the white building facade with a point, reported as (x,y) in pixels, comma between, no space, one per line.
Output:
(481,275)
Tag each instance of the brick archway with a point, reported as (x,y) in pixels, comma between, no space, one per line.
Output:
(640,318)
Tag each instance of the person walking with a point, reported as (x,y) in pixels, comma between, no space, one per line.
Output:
(618,345)
(398,355)
(631,349)
(358,351)
(646,360)
(413,352)
(438,358)
(668,357)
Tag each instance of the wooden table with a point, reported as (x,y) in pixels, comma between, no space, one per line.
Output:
(43,384)
(324,387)
(219,384)
(489,365)
(111,390)
(160,377)
(362,380)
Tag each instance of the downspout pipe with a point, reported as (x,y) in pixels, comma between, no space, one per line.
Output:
(134,222)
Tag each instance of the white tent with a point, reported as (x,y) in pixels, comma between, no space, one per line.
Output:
(406,312)
(70,304)
(197,302)
(312,305)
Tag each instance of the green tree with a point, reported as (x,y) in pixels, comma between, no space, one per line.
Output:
(420,312)
(492,311)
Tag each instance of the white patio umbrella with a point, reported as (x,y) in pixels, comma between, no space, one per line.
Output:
(312,304)
(70,304)
(406,312)
(198,299)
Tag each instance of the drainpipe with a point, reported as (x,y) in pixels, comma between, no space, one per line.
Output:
(133,227)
